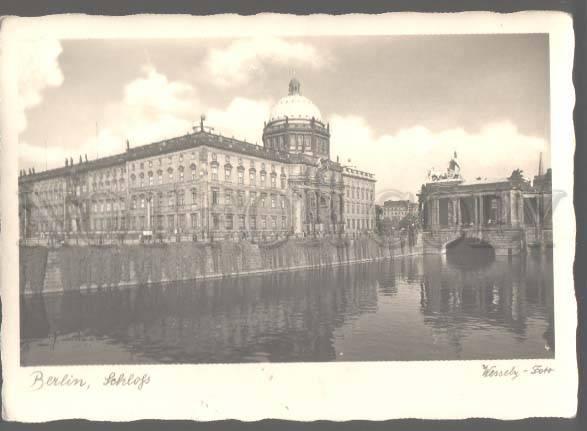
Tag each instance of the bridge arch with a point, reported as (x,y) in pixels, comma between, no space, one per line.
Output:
(471,241)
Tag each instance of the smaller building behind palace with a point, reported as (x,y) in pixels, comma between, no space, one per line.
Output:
(204,185)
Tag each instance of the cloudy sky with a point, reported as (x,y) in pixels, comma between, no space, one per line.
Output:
(397,106)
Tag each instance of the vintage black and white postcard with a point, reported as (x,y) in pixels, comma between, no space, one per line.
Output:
(319,217)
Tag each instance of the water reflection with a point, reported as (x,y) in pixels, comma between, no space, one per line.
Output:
(408,309)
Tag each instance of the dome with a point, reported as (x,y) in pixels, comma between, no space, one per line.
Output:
(295,106)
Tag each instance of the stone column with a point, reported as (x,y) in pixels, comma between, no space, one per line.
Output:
(436,212)
(476,210)
(148,212)
(481,210)
(521,220)
(297,213)
(342,218)
(318,217)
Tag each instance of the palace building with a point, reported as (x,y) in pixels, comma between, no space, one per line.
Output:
(203,185)
(397,210)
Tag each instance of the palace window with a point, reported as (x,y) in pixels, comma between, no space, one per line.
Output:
(170,172)
(282,202)
(181,157)
(180,173)
(273,181)
(194,173)
(160,174)
(215,194)
(283,222)
(241,222)
(263,222)
(262,179)
(263,197)
(273,222)
(215,173)
(228,197)
(283,181)
(170,222)
(142,202)
(253,198)
(241,177)
(252,178)
(216,221)
(194,196)
(272,201)
(150,178)
(241,198)
(180,198)
(228,221)
(227,173)
(253,222)
(170,199)
(150,163)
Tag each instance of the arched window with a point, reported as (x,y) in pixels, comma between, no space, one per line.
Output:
(194,173)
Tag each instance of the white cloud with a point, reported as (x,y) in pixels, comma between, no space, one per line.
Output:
(401,161)
(54,156)
(37,68)
(242,118)
(153,108)
(244,58)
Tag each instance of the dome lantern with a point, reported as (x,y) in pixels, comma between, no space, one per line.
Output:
(294,86)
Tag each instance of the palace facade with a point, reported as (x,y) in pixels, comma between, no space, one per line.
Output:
(395,211)
(204,185)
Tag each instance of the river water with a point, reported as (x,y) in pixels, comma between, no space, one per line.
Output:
(460,306)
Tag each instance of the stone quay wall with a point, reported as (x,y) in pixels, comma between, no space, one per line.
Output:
(71,267)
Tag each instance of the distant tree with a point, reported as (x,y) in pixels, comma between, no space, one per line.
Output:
(387,225)
(517,179)
(517,175)
(379,219)
(410,220)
